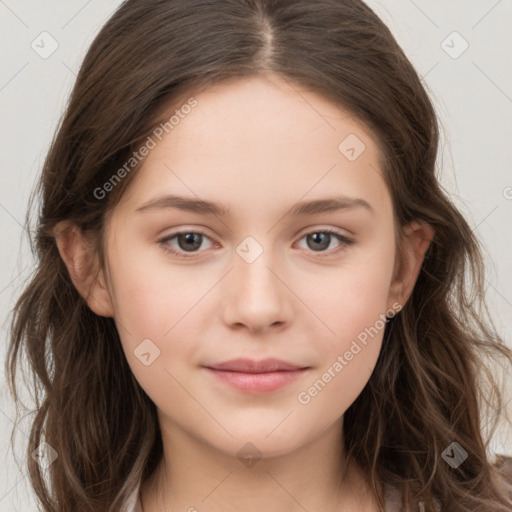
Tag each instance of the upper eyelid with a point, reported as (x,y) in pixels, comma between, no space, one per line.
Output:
(201,231)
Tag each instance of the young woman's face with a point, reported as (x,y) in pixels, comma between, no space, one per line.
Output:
(258,278)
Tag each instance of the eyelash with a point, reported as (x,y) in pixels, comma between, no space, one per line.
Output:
(164,242)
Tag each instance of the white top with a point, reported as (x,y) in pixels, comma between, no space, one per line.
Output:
(133,503)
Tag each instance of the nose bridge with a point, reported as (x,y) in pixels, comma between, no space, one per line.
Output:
(258,298)
(250,250)
(253,264)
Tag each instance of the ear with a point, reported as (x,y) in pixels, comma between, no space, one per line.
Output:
(82,263)
(415,240)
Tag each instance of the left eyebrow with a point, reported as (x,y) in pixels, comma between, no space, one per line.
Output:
(219,209)
(329,205)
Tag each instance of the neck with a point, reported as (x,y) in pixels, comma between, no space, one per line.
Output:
(193,476)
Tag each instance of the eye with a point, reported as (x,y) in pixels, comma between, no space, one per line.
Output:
(188,243)
(320,240)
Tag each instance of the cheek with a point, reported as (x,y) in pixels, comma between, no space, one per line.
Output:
(353,297)
(352,301)
(152,323)
(151,296)
(153,304)
(347,358)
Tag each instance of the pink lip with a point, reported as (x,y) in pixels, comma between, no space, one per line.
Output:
(256,376)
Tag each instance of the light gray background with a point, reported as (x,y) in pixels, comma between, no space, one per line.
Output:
(472,94)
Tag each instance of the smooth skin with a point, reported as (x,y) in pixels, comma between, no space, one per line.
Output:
(258,146)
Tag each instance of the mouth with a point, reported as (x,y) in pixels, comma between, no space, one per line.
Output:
(256,376)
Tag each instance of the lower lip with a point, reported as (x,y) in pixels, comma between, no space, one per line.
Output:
(257,382)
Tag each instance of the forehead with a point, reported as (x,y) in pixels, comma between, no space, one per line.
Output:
(260,140)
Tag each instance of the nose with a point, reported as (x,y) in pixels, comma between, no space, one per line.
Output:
(257,297)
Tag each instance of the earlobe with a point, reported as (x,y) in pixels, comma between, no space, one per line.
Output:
(416,239)
(82,263)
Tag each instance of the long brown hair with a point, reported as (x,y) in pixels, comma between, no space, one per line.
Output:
(430,386)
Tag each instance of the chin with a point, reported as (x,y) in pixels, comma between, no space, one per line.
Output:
(258,444)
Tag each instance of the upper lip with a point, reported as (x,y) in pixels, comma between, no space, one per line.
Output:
(251,366)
